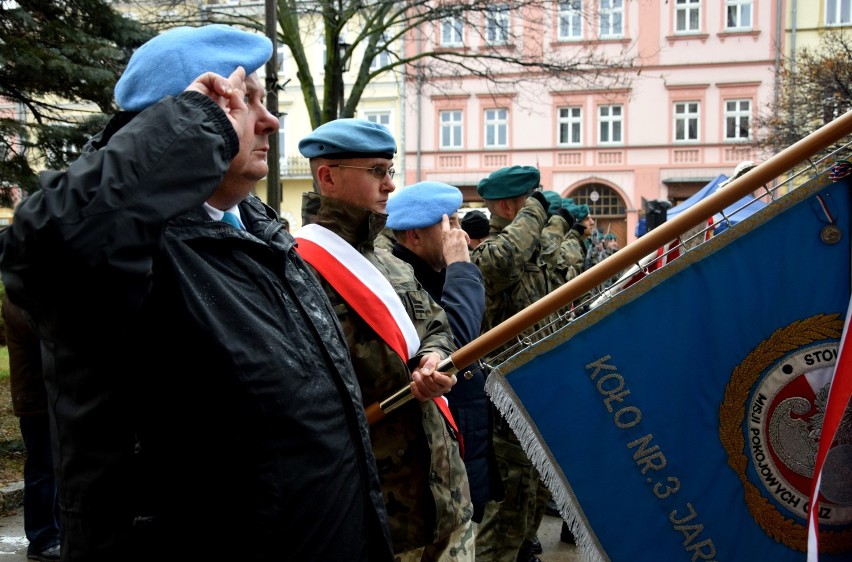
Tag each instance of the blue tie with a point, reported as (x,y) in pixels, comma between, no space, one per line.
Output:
(232,219)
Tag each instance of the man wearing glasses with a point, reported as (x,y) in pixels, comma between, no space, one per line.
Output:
(396,334)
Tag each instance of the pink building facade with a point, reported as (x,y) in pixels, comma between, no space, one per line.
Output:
(707,68)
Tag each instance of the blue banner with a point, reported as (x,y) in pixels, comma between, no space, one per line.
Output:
(680,421)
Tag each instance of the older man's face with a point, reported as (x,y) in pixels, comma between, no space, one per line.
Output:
(250,165)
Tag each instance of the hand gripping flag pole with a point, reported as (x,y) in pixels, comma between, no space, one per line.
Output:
(632,253)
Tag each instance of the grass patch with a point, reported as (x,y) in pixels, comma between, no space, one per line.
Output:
(4,362)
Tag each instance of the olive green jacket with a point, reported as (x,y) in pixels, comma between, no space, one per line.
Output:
(513,269)
(423,477)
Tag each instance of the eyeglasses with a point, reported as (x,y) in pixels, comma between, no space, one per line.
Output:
(378,172)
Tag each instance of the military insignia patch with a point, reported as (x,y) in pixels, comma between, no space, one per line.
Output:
(770,425)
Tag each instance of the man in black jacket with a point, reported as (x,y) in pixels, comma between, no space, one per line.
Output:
(203,396)
(425,224)
(29,402)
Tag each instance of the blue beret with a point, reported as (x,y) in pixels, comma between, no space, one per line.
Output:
(349,138)
(567,202)
(168,63)
(422,204)
(509,182)
(579,211)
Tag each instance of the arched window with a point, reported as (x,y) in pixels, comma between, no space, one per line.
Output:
(603,201)
(607,208)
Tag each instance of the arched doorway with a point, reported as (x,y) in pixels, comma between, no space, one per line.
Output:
(606,207)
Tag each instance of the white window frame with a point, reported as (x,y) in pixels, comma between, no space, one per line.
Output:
(280,57)
(322,53)
(610,19)
(382,117)
(570,20)
(738,15)
(838,12)
(687,119)
(282,140)
(610,124)
(497,24)
(570,125)
(66,147)
(496,128)
(687,16)
(383,58)
(452,130)
(735,113)
(452,31)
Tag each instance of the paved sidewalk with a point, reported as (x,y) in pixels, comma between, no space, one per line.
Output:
(554,549)
(13,542)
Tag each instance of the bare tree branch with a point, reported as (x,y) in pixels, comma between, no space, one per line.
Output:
(406,32)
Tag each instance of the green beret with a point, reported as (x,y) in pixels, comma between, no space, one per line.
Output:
(555,201)
(579,211)
(567,202)
(507,183)
(610,236)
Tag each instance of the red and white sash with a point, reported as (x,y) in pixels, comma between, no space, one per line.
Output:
(361,285)
(367,291)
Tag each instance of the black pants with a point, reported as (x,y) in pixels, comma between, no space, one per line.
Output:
(41,513)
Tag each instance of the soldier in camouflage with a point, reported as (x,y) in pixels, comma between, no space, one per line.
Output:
(575,247)
(515,276)
(422,475)
(561,264)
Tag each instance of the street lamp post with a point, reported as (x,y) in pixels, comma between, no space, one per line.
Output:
(273,183)
(343,66)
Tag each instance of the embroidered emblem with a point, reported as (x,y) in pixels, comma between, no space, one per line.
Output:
(770,423)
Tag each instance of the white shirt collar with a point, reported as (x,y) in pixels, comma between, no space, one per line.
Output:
(216,214)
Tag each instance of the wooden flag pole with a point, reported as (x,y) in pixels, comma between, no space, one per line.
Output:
(749,182)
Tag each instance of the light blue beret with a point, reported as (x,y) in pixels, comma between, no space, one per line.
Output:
(349,138)
(579,211)
(422,204)
(168,63)
(506,183)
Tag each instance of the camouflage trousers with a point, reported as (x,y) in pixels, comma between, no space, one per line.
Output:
(542,496)
(458,547)
(505,525)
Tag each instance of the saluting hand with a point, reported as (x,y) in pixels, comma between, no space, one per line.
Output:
(455,242)
(228,93)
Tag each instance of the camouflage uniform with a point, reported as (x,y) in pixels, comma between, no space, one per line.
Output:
(513,273)
(516,276)
(385,240)
(574,251)
(554,258)
(595,251)
(423,478)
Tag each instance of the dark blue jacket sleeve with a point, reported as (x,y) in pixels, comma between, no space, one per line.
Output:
(463,300)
